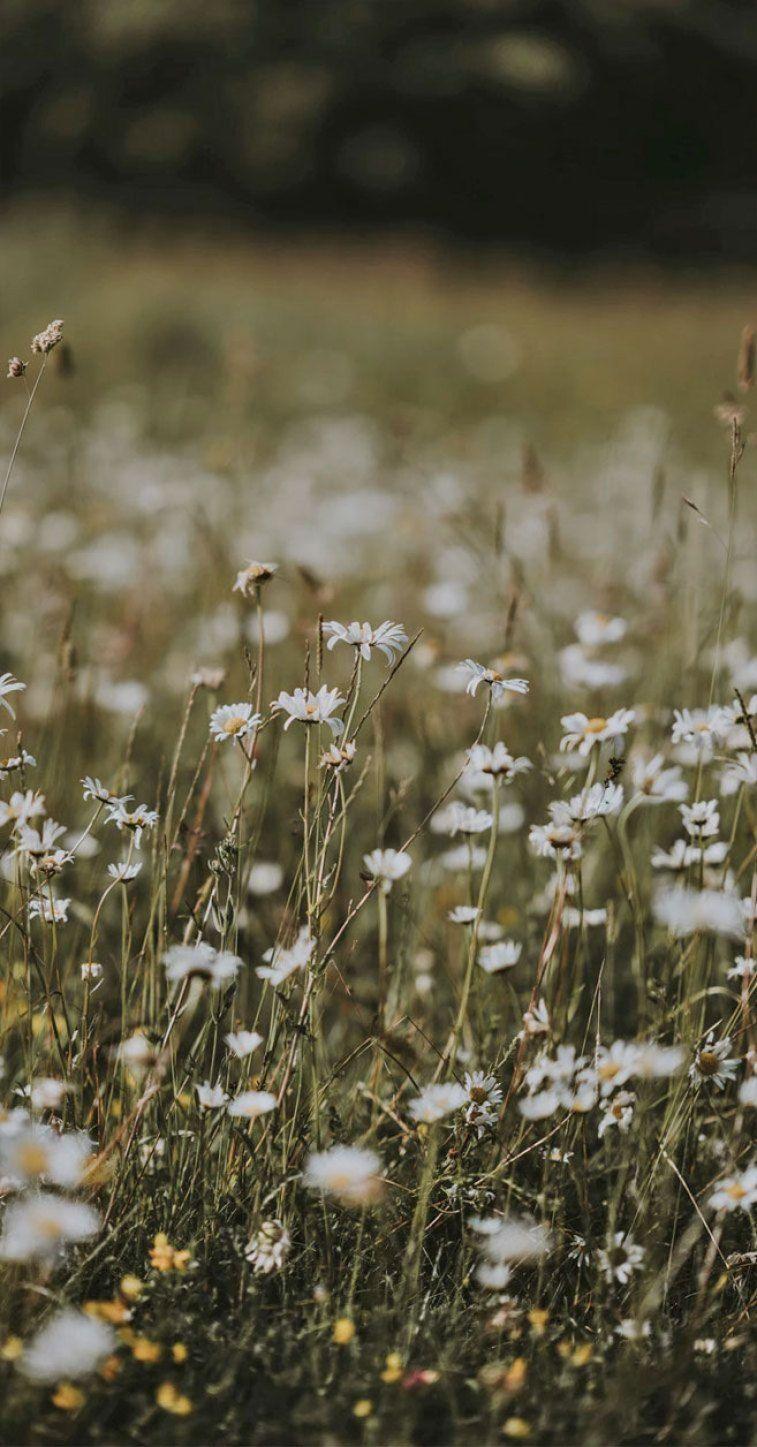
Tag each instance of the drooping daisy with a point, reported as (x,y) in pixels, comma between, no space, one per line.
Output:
(437,1101)
(338,757)
(461,819)
(583,734)
(463,914)
(617,1112)
(654,783)
(387,866)
(500,956)
(70,1345)
(555,840)
(249,579)
(124,872)
(350,1174)
(52,911)
(498,684)
(484,764)
(233,721)
(282,961)
(311,708)
(388,638)
(201,962)
(211,1097)
(133,821)
(96,791)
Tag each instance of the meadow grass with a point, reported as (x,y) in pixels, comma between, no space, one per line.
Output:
(377,1036)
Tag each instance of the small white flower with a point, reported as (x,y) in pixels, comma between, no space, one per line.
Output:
(38,1227)
(437,1101)
(70,1345)
(32,1152)
(202,962)
(686,911)
(95,790)
(311,708)
(580,670)
(702,728)
(52,911)
(387,866)
(500,956)
(484,1096)
(211,1097)
(465,856)
(338,757)
(233,721)
(463,914)
(656,1062)
(265,878)
(498,684)
(619,1260)
(252,1103)
(743,968)
(617,1112)
(700,820)
(736,1193)
(249,579)
(630,1329)
(9,684)
(655,784)
(284,961)
(134,821)
(21,760)
(268,1248)
(484,764)
(712,1064)
(91,970)
(536,1019)
(555,840)
(21,807)
(464,820)
(242,1043)
(124,872)
(348,1173)
(748,1093)
(388,638)
(539,1106)
(584,734)
(741,772)
(508,1239)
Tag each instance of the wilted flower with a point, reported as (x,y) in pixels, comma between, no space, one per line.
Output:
(49,338)
(498,684)
(253,577)
(338,757)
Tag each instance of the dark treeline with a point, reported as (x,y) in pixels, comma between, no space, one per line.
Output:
(565,125)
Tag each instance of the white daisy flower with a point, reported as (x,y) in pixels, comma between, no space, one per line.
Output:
(348,1173)
(252,1103)
(233,721)
(268,1248)
(584,734)
(388,638)
(712,1064)
(700,820)
(242,1043)
(484,764)
(281,961)
(463,914)
(387,866)
(498,684)
(461,819)
(437,1101)
(96,791)
(617,1112)
(21,807)
(621,1259)
(736,1193)
(265,878)
(654,783)
(33,1152)
(311,708)
(52,911)
(338,757)
(500,956)
(484,1096)
(38,1227)
(702,728)
(9,684)
(510,1239)
(210,1097)
(134,821)
(595,630)
(70,1345)
(743,968)
(201,962)
(124,872)
(686,911)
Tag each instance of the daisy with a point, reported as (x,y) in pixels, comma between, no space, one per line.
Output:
(619,1260)
(463,914)
(498,684)
(134,821)
(9,684)
(233,721)
(484,1096)
(743,968)
(594,803)
(486,764)
(580,670)
(387,866)
(249,579)
(614,1065)
(348,1173)
(52,911)
(211,1097)
(437,1101)
(702,728)
(21,760)
(461,819)
(32,1152)
(677,860)
(700,820)
(311,708)
(541,1105)
(265,877)
(463,857)
(748,1093)
(656,784)
(242,1043)
(21,807)
(736,1193)
(595,630)
(583,733)
(657,1062)
(124,873)
(47,1093)
(283,962)
(536,1019)
(268,1248)
(555,841)
(338,757)
(71,1344)
(252,1103)
(617,1112)
(510,1239)
(388,638)
(742,771)
(686,911)
(95,790)
(200,962)
(500,956)
(38,1227)
(712,1064)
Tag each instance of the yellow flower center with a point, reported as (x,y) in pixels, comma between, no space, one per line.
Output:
(708,1062)
(234,724)
(596,725)
(735,1191)
(32,1159)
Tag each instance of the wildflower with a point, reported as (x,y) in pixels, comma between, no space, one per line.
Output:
(95,790)
(283,962)
(145,1350)
(615,1065)
(135,821)
(49,338)
(463,914)
(484,1095)
(595,630)
(16,368)
(621,1258)
(211,1097)
(34,1152)
(68,1398)
(9,684)
(741,771)
(164,1257)
(48,1093)
(686,911)
(70,1344)
(253,577)
(265,877)
(736,1193)
(210,678)
(52,911)
(242,1043)
(38,1227)
(348,1173)
(630,1329)
(617,1112)
(124,873)
(387,866)
(389,638)
(234,721)
(464,820)
(536,1019)
(392,1369)
(555,840)
(541,1105)
(583,734)
(343,1331)
(20,808)
(311,708)
(594,803)
(437,1101)
(498,684)
(700,820)
(338,757)
(170,1399)
(500,956)
(511,1239)
(252,1103)
(484,764)
(137,1053)
(201,962)
(654,784)
(656,1062)
(743,968)
(748,1093)
(268,1248)
(712,1064)
(362,1408)
(463,857)
(580,670)
(702,728)
(21,760)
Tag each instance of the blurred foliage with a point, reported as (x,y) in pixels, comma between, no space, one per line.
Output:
(560,123)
